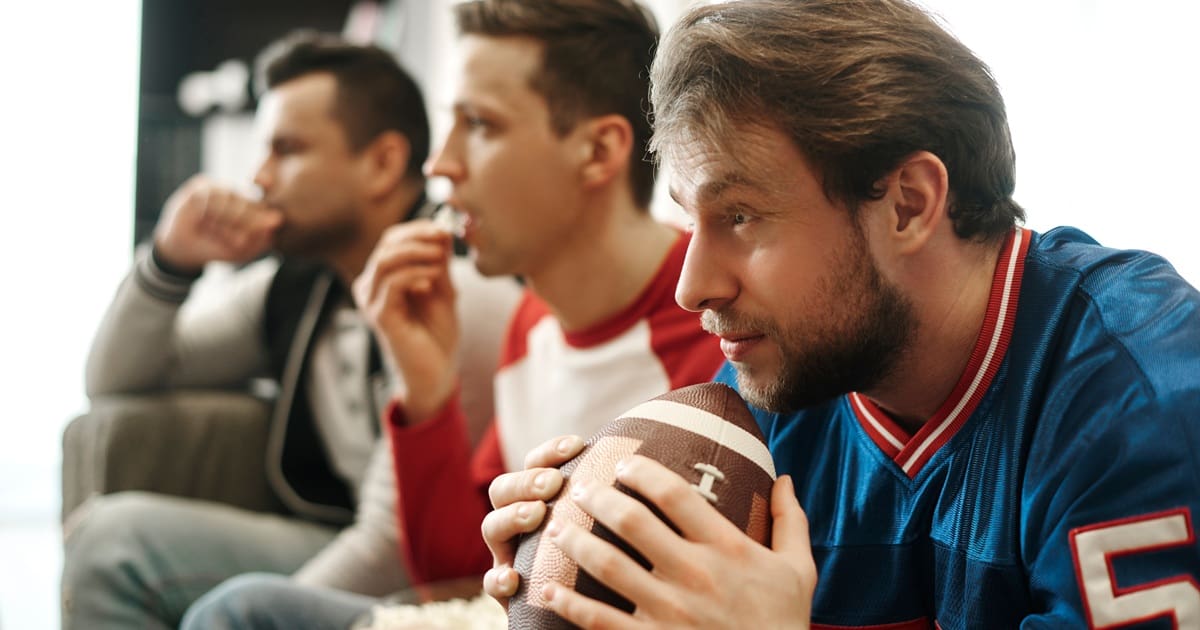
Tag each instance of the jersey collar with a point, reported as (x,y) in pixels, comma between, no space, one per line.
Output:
(911,453)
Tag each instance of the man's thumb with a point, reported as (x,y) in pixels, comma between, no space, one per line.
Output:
(789,535)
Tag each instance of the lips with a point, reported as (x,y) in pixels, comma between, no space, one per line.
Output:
(738,346)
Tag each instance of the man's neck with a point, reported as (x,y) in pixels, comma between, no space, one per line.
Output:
(604,269)
(950,314)
(376,218)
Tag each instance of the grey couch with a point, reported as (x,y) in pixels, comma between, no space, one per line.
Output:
(199,444)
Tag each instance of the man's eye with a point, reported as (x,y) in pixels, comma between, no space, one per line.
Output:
(739,218)
(475,122)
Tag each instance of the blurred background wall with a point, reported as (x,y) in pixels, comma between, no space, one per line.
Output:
(1102,100)
(68,125)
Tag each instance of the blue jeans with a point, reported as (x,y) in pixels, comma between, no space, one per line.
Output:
(264,601)
(139,560)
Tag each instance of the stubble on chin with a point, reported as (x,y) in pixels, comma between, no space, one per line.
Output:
(808,370)
(765,391)
(763,386)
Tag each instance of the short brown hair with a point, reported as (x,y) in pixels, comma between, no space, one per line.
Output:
(858,85)
(374,94)
(595,61)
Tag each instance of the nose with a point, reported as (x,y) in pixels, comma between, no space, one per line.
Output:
(445,161)
(264,177)
(707,282)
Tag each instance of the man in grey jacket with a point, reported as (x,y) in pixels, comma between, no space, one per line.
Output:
(346,135)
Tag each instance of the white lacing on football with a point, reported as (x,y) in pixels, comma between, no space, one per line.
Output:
(709,474)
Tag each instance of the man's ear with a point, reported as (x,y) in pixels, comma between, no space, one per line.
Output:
(916,194)
(386,163)
(608,145)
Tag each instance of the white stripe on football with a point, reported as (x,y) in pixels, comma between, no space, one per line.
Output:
(708,425)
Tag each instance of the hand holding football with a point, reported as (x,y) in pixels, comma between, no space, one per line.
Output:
(704,433)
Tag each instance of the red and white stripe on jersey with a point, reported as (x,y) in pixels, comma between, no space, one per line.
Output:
(554,382)
(558,389)
(911,453)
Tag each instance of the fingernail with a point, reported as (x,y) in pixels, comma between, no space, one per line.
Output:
(523,512)
(566,445)
(578,491)
(548,592)
(620,466)
(553,528)
(541,481)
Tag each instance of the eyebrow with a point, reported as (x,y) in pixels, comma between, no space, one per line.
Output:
(498,110)
(714,188)
(286,136)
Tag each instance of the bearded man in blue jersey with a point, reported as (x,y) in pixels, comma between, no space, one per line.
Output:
(980,426)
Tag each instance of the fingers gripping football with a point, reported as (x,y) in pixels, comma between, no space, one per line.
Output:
(701,461)
(721,579)
(518,499)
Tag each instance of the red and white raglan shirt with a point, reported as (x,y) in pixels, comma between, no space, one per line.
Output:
(550,382)
(1056,487)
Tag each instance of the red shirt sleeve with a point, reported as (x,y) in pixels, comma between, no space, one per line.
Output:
(688,353)
(442,491)
(442,485)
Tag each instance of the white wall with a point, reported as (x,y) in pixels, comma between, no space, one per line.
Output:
(1102,102)
(67,133)
(69,129)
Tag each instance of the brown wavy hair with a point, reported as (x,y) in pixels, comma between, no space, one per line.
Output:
(858,85)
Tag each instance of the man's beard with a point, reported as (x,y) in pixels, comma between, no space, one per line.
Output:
(315,242)
(855,351)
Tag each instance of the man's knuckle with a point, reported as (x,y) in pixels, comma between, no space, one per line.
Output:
(671,496)
(626,520)
(608,568)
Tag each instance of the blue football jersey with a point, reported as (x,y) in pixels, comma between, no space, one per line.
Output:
(1055,488)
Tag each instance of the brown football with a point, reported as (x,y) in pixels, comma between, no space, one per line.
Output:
(703,432)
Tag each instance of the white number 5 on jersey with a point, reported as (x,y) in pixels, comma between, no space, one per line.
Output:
(1110,606)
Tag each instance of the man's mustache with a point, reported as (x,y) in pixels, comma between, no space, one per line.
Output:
(727,322)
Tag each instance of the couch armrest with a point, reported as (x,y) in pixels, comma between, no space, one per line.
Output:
(202,444)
